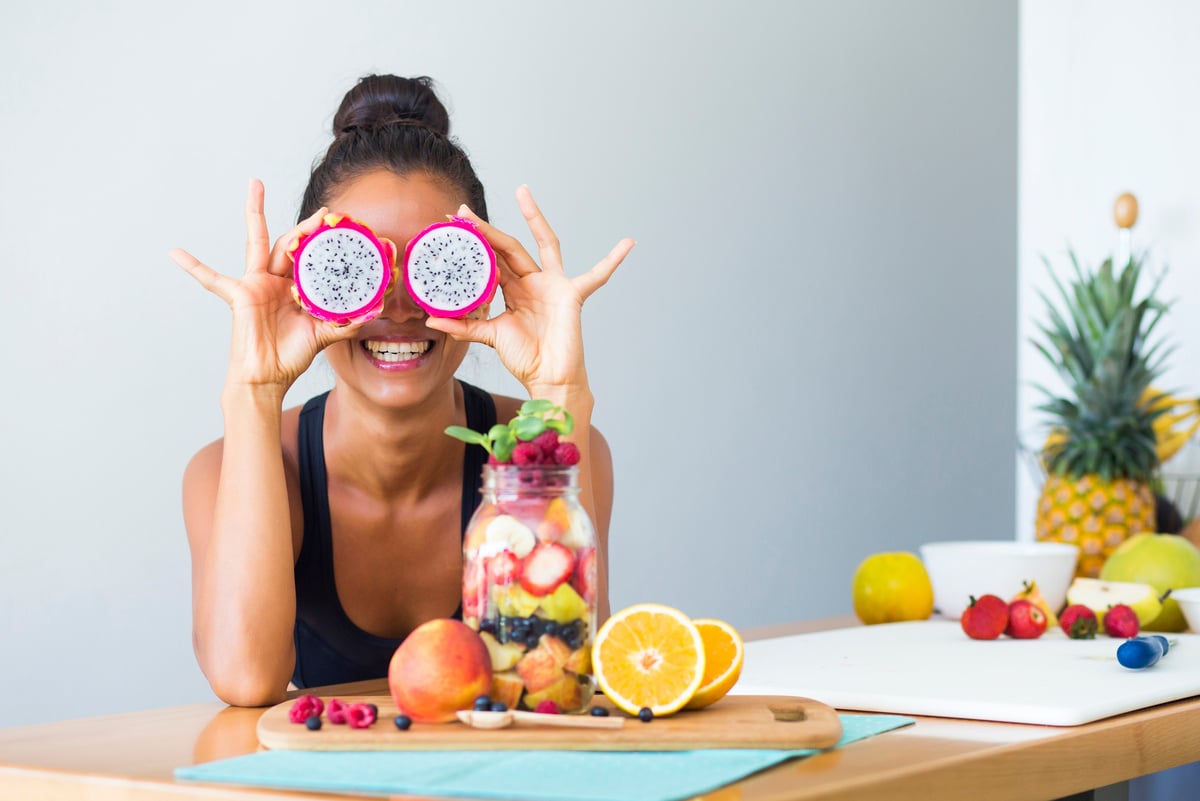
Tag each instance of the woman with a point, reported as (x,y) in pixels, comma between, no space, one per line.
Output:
(321,536)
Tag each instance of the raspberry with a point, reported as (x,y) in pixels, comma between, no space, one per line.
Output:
(305,707)
(527,453)
(547,441)
(336,711)
(360,716)
(547,707)
(566,453)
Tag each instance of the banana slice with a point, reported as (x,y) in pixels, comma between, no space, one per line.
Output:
(508,533)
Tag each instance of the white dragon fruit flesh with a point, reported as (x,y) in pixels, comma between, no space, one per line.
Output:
(450,269)
(342,270)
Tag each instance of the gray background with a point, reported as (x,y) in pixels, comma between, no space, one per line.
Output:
(810,355)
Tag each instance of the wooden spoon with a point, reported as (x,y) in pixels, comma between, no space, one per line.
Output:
(499,720)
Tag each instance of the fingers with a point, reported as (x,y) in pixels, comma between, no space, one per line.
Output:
(549,250)
(216,283)
(258,244)
(465,329)
(519,262)
(279,263)
(598,276)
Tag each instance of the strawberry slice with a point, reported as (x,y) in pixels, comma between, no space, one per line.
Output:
(547,566)
(584,578)
(503,568)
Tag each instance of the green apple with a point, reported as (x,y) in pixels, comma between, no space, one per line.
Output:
(1165,561)
(1098,595)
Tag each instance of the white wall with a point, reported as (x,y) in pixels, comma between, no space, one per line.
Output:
(1108,104)
(809,357)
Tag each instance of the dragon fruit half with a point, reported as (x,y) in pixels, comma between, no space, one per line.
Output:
(342,270)
(450,269)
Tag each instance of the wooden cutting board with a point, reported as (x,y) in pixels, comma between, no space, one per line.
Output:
(744,721)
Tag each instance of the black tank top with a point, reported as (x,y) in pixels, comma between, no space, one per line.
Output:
(330,649)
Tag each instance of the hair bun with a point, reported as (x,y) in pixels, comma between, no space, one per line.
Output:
(378,101)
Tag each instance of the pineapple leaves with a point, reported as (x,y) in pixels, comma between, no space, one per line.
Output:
(1098,338)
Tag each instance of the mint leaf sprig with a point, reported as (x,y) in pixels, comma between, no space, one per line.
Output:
(534,417)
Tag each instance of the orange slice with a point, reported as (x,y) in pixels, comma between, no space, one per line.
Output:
(648,655)
(723,655)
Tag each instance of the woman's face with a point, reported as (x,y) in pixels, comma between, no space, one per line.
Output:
(394,359)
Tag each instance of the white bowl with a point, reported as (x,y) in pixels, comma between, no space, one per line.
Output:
(1189,602)
(959,570)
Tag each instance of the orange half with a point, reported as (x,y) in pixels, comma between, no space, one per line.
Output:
(723,656)
(649,656)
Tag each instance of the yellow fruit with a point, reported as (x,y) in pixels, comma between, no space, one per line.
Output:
(891,587)
(723,655)
(1165,562)
(649,655)
(1093,513)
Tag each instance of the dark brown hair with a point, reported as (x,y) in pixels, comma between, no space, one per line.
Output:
(394,123)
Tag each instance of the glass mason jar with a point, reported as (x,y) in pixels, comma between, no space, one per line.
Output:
(529,585)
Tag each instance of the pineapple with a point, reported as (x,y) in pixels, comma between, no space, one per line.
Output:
(1102,461)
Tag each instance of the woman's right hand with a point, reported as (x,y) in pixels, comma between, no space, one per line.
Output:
(273,341)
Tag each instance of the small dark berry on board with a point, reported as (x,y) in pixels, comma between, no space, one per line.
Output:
(645,715)
(313,723)
(403,722)
(599,712)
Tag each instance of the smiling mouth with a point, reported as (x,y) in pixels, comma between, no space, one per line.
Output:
(396,351)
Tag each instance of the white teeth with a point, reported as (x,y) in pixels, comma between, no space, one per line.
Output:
(395,351)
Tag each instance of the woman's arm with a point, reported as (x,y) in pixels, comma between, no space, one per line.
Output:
(241,526)
(240,531)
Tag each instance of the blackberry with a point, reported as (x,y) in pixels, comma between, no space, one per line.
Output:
(403,722)
(645,715)
(312,722)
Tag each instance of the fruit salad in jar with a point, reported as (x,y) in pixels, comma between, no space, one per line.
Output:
(529,565)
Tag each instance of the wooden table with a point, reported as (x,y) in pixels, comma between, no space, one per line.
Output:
(132,756)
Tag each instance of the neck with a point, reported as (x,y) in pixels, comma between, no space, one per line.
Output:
(393,453)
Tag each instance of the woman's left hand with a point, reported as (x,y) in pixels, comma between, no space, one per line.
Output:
(539,336)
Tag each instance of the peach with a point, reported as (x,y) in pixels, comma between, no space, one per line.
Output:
(442,667)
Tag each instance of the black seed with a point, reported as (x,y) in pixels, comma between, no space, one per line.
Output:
(403,722)
(313,722)
(645,715)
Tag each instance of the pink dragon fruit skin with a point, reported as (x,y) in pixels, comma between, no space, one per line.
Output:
(342,271)
(450,269)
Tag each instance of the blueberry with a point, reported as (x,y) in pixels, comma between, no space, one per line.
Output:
(483,703)
(374,711)
(499,706)
(550,627)
(645,715)
(599,712)
(532,640)
(312,722)
(403,722)
(488,625)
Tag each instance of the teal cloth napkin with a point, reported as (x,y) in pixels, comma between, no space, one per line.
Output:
(533,775)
